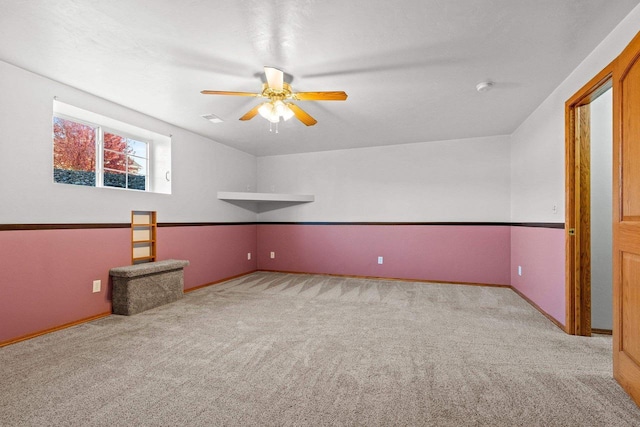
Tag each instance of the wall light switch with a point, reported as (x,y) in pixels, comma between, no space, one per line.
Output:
(519,270)
(97,284)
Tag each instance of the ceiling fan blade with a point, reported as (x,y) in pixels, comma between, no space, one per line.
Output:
(302,115)
(275,78)
(225,92)
(251,113)
(320,96)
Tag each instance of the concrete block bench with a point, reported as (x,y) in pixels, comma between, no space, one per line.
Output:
(139,287)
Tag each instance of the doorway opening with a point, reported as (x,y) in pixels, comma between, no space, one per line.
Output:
(602,214)
(588,154)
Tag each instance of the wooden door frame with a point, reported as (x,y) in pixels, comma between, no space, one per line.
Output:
(578,204)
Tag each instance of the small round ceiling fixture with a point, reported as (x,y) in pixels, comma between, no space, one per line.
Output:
(484,86)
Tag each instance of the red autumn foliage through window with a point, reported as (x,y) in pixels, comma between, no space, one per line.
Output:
(74,145)
(74,148)
(116,153)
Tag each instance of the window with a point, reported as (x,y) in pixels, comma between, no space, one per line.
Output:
(125,162)
(95,151)
(74,152)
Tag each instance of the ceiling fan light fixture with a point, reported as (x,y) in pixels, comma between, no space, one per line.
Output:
(273,110)
(279,107)
(277,92)
(287,113)
(265,110)
(269,111)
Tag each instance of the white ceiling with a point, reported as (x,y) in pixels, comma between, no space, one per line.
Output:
(409,67)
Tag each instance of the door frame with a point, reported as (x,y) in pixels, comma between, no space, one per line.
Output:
(578,203)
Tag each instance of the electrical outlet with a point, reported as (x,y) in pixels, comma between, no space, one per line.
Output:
(273,255)
(97,284)
(519,270)
(380,259)
(248,255)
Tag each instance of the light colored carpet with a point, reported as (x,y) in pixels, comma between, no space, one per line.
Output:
(279,349)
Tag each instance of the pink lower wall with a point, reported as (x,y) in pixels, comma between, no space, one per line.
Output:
(214,252)
(451,253)
(46,276)
(541,254)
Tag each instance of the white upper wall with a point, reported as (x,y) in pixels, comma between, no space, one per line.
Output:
(28,195)
(537,149)
(459,180)
(518,178)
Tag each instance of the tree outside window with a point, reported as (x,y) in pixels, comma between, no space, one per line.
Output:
(74,152)
(124,160)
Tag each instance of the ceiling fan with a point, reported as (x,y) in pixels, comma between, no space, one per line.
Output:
(280,95)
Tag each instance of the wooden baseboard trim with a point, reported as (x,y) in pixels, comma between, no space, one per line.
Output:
(54,329)
(491,285)
(601,331)
(443,282)
(195,288)
(100,316)
(537,307)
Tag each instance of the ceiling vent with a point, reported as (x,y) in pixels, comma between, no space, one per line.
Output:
(212,118)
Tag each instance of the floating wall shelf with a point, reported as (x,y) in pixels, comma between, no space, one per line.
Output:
(265,197)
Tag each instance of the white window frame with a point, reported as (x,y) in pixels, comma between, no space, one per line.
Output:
(147,165)
(156,164)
